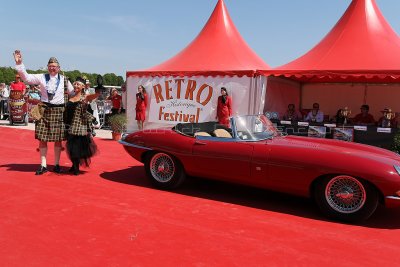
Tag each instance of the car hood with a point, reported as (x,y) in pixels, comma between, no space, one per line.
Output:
(337,146)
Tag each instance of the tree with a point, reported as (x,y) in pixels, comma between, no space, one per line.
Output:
(7,75)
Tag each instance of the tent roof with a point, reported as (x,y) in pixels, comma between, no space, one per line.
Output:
(361,47)
(219,49)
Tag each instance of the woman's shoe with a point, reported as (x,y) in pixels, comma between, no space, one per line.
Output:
(57,169)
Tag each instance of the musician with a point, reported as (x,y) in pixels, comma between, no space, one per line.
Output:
(141,106)
(224,107)
(51,127)
(18,85)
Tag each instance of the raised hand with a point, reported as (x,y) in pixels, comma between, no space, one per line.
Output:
(17,57)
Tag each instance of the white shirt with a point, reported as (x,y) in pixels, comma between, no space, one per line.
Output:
(40,79)
(318,118)
(5,92)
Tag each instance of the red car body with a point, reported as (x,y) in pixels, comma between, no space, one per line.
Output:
(289,164)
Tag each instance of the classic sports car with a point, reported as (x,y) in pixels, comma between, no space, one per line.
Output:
(347,180)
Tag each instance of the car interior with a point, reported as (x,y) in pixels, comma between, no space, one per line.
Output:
(212,129)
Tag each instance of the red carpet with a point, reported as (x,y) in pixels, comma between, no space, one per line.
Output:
(111,216)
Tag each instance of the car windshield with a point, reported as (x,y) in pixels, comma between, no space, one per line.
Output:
(254,127)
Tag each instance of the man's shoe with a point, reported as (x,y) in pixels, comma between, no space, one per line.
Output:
(41,170)
(57,169)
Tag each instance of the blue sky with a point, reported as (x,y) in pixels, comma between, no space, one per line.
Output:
(116,36)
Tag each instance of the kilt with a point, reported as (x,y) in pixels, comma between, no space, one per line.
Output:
(51,127)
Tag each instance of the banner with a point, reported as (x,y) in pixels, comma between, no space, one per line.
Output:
(173,100)
(181,100)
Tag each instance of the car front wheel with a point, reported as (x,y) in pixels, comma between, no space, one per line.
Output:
(164,171)
(346,198)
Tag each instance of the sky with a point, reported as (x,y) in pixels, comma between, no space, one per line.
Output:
(121,35)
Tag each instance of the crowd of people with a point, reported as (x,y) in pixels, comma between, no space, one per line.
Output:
(364,118)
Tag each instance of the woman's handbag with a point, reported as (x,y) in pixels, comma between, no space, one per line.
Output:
(36,113)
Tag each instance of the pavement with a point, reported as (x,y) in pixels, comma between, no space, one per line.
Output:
(100,133)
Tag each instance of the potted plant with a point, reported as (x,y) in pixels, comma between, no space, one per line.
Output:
(118,125)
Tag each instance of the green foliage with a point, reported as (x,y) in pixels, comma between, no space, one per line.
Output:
(118,123)
(396,143)
(7,75)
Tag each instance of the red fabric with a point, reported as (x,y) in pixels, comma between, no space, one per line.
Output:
(104,215)
(219,49)
(362,47)
(141,105)
(116,101)
(224,111)
(18,86)
(361,119)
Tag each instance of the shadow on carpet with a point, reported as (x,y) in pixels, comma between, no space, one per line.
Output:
(251,197)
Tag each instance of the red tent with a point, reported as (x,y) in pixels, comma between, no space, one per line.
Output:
(219,49)
(361,47)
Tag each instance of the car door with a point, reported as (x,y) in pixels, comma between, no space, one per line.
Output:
(222,158)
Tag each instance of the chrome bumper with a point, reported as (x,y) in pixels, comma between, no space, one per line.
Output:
(122,142)
(392,201)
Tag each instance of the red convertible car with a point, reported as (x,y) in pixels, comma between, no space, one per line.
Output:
(347,180)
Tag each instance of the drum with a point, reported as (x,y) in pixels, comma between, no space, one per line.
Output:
(17,106)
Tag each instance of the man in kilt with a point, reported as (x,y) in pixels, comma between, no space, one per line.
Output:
(51,127)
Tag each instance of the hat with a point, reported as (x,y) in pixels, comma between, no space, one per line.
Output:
(386,110)
(53,60)
(80,79)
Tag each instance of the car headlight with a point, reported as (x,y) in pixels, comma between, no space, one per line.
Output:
(397,168)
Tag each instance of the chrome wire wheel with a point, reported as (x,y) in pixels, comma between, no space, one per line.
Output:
(345,194)
(162,167)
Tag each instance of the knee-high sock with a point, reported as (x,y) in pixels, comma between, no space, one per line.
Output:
(57,153)
(43,154)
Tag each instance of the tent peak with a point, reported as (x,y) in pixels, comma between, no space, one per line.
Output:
(361,40)
(218,48)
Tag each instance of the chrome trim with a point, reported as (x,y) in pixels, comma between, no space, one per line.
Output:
(397,168)
(124,143)
(393,198)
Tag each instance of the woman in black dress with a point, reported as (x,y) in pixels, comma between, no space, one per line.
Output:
(80,144)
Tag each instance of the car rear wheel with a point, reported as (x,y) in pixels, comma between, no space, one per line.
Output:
(164,171)
(346,198)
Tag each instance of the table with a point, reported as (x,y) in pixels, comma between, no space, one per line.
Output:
(370,135)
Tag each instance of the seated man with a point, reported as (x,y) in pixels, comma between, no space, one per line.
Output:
(291,114)
(388,120)
(315,115)
(364,118)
